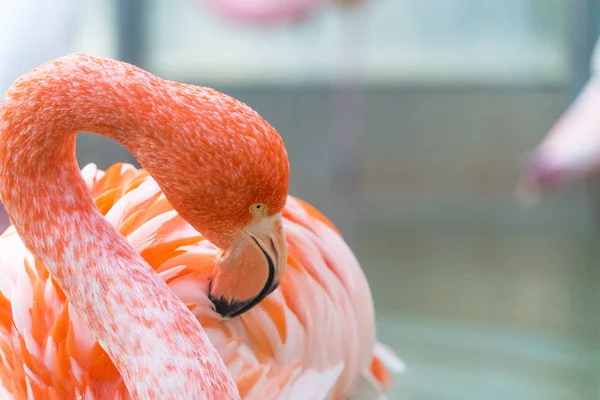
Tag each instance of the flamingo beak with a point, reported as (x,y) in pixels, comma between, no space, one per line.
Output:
(250,269)
(570,150)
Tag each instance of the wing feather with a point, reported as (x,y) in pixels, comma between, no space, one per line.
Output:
(313,338)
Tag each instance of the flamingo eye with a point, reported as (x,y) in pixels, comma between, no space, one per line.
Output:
(258,208)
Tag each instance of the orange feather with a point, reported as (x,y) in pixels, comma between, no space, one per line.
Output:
(279,336)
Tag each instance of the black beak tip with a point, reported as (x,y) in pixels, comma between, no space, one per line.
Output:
(229,309)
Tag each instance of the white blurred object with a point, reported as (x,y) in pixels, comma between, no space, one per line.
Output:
(33,32)
(571,149)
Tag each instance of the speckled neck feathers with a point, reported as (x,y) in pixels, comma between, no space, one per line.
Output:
(156,343)
(177,132)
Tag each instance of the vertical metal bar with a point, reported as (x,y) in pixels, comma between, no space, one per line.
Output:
(131,39)
(583,34)
(584,31)
(348,130)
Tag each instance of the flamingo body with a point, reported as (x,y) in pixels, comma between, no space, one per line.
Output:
(312,338)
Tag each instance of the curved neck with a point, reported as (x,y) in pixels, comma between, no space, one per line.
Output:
(155,342)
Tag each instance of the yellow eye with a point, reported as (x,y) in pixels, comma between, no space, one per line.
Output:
(258,208)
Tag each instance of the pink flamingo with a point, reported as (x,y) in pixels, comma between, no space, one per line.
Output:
(271,11)
(107,288)
(571,149)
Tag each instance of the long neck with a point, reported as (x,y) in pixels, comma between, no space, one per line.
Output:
(157,345)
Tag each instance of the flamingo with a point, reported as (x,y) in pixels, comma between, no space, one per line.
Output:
(272,11)
(571,149)
(168,281)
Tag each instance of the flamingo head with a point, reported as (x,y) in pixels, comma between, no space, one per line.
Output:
(225,170)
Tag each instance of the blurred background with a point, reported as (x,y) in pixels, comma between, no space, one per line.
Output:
(406,122)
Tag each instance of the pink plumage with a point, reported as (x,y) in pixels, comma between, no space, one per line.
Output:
(118,284)
(271,11)
(571,149)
